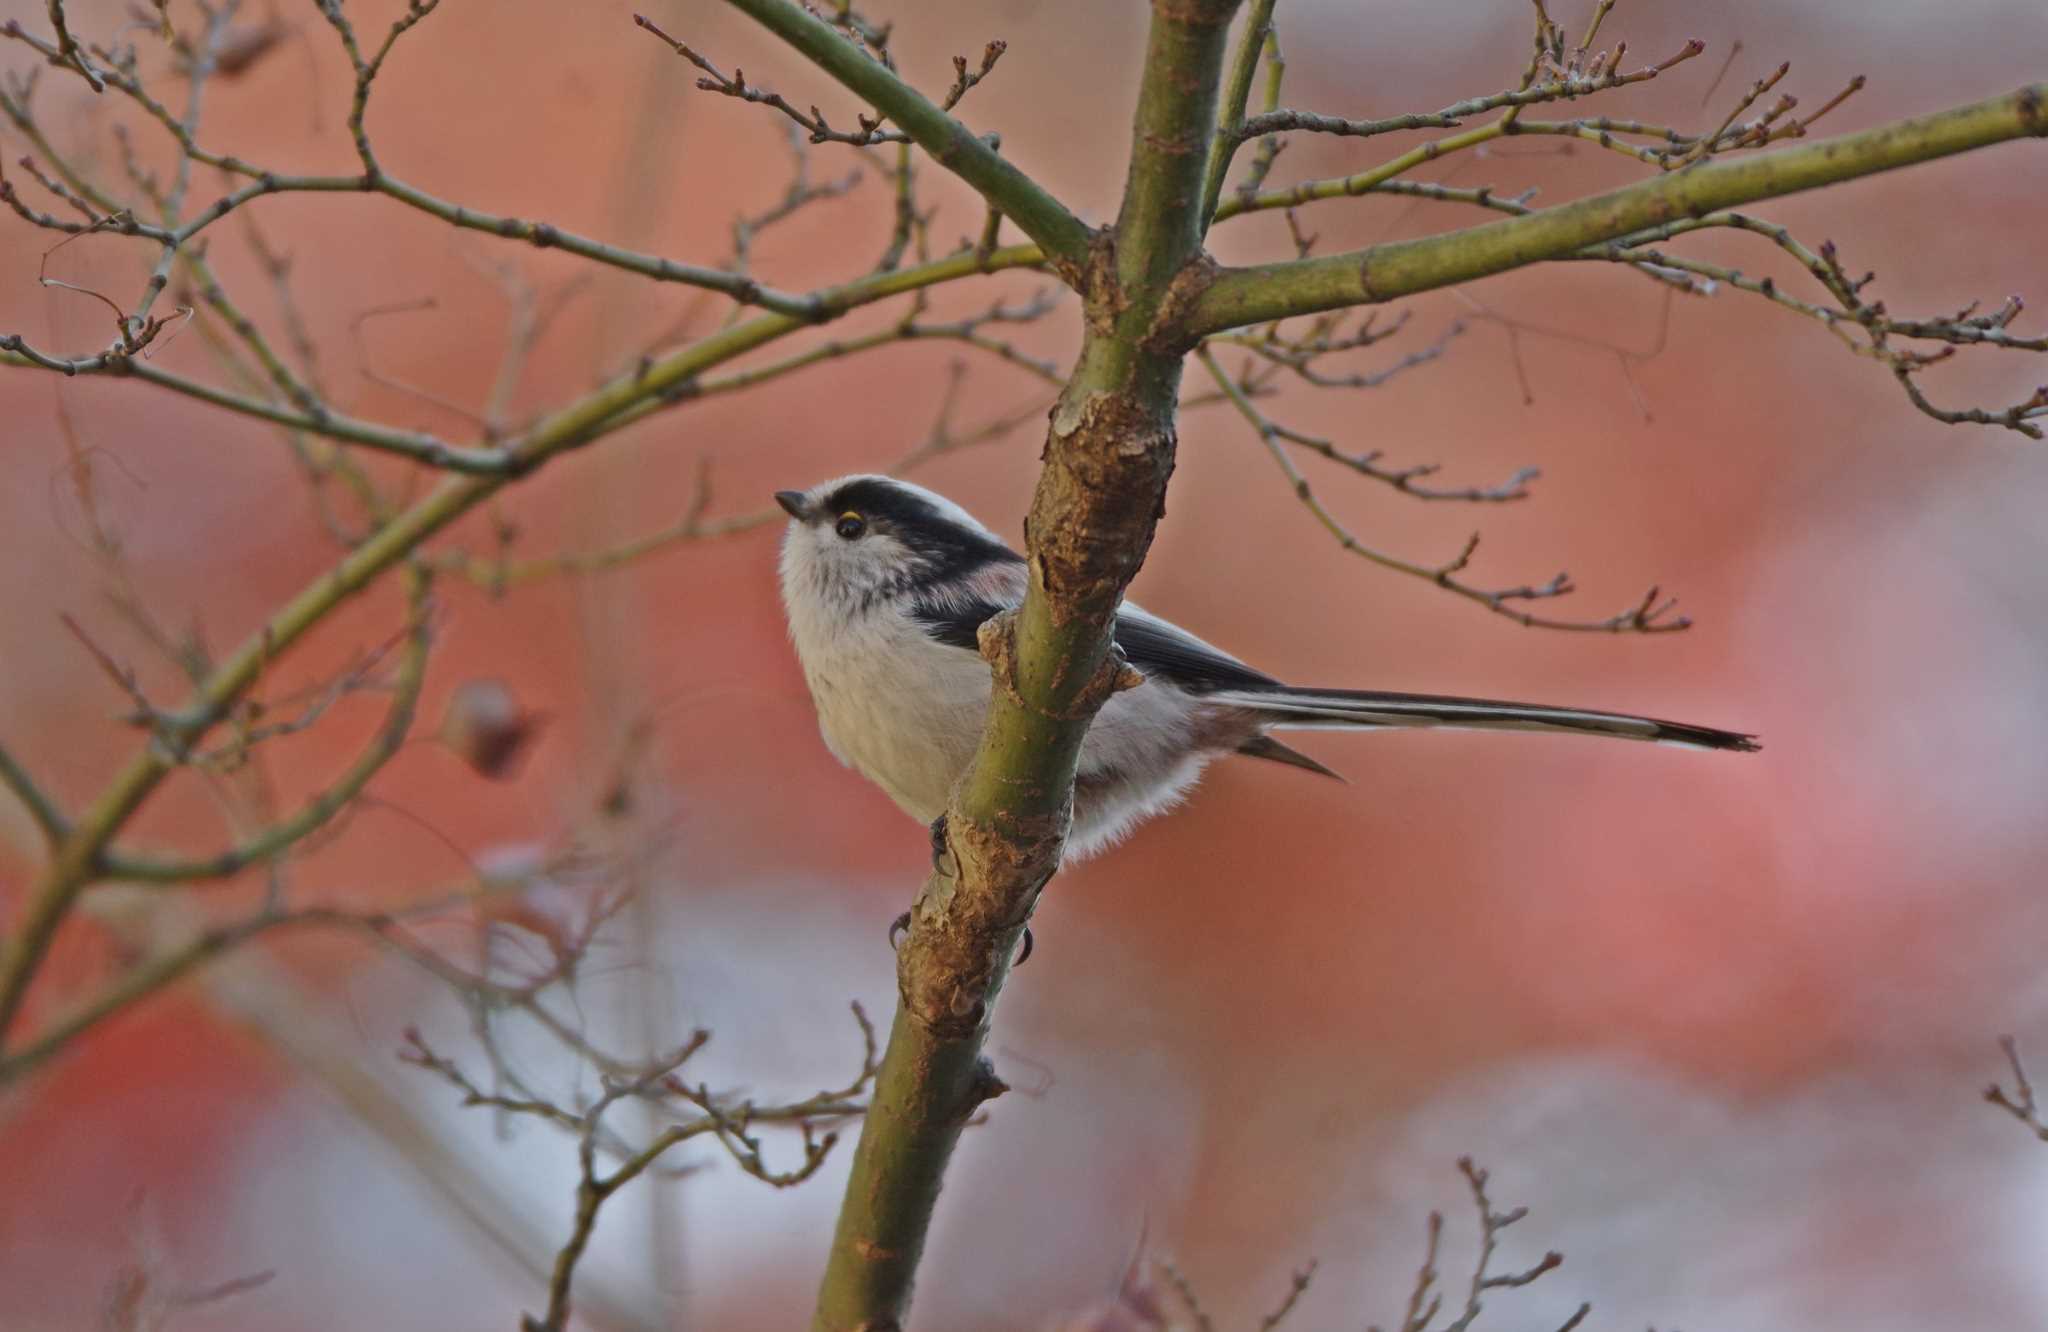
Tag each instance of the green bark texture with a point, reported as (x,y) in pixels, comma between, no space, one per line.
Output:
(1108,455)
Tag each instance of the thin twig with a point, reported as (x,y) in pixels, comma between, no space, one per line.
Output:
(813,123)
(2019,1102)
(1649,616)
(41,808)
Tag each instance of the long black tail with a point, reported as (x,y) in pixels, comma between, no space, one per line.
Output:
(1288,708)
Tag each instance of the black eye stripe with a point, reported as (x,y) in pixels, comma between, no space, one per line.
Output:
(934,539)
(881,500)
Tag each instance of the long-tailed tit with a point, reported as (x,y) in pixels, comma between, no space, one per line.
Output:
(886,585)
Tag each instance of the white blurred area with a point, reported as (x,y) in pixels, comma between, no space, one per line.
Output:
(768,972)
(1879,1192)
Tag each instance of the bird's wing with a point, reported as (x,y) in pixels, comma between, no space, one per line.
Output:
(1162,648)
(1156,647)
(954,615)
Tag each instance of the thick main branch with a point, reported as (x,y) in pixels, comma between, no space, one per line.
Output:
(1107,458)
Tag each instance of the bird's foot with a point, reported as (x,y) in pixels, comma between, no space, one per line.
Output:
(901,925)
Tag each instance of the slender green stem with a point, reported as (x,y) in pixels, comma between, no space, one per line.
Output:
(1363,182)
(17,112)
(817,308)
(40,807)
(543,235)
(498,574)
(78,859)
(1401,268)
(319,810)
(1064,237)
(69,53)
(1237,91)
(139,982)
(276,378)
(1382,178)
(262,182)
(414,445)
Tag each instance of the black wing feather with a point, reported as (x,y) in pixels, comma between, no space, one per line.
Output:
(1157,648)
(954,622)
(1153,646)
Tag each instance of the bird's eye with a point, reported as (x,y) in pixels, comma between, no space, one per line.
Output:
(851,527)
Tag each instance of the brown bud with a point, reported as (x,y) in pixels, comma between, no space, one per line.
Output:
(1142,1303)
(241,47)
(486,727)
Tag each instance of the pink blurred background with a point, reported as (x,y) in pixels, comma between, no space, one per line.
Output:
(1722,1022)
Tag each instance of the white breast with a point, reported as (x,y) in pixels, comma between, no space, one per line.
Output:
(900,709)
(906,711)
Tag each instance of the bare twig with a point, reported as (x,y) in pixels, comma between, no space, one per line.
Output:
(1850,314)
(965,79)
(1407,480)
(502,573)
(68,53)
(1302,356)
(41,808)
(800,193)
(2019,1102)
(1426,1298)
(813,124)
(1649,616)
(726,1120)
(1297,1286)
(327,804)
(1567,84)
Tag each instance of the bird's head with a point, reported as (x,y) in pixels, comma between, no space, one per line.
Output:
(869,537)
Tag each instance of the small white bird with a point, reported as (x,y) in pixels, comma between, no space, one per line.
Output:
(886,584)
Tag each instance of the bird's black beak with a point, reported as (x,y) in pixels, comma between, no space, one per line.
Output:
(792,502)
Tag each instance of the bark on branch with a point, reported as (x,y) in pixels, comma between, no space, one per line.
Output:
(1107,458)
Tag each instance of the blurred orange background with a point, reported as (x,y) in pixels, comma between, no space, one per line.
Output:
(1721,1021)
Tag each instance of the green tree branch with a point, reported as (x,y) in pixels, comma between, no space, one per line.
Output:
(1150,295)
(1107,458)
(1378,273)
(49,819)
(1063,237)
(79,859)
(1237,91)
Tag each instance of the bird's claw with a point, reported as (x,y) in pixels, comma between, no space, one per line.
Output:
(901,925)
